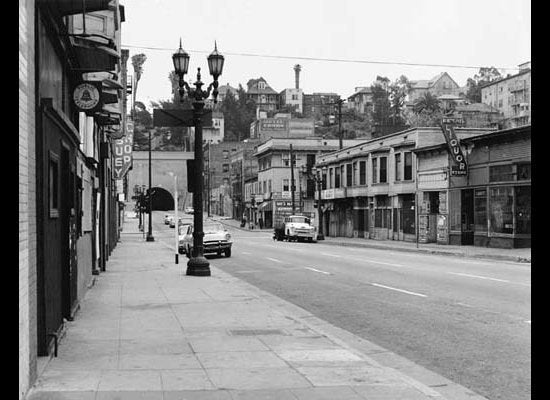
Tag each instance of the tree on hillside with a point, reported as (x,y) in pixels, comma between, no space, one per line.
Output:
(398,91)
(238,115)
(381,101)
(484,76)
(426,103)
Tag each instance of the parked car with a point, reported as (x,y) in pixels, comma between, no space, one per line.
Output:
(172,221)
(167,218)
(189,210)
(185,239)
(216,239)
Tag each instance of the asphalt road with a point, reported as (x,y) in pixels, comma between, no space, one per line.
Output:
(467,320)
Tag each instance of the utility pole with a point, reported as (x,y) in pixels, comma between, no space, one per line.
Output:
(339,102)
(292,188)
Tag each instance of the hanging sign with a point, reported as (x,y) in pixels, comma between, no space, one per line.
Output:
(87,95)
(460,168)
(122,159)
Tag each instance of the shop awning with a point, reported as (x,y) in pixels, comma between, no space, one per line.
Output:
(104,118)
(109,95)
(266,206)
(94,56)
(70,7)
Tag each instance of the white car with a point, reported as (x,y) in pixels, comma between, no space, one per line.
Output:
(216,239)
(185,239)
(189,210)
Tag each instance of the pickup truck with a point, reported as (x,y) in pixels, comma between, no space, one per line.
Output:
(295,228)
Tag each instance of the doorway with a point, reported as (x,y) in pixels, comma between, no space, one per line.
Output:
(467,217)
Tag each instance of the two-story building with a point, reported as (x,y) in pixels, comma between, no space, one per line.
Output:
(370,189)
(361,100)
(275,176)
(441,84)
(265,97)
(491,205)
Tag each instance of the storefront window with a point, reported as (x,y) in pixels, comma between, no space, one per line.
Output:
(501,202)
(523,209)
(501,173)
(480,210)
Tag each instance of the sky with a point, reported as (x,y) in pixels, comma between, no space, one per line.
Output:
(372,37)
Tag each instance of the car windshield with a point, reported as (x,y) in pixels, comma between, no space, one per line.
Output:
(183,229)
(300,219)
(210,227)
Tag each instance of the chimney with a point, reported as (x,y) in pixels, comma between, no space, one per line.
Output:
(297,70)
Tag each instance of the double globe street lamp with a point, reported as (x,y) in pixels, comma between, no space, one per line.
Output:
(198,265)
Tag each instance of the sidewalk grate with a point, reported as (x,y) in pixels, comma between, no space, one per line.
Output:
(254,332)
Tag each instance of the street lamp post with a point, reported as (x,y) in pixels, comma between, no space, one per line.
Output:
(316,176)
(150,237)
(198,265)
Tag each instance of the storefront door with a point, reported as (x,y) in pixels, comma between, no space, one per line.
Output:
(467,217)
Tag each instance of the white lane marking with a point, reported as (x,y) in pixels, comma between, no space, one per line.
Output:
(479,277)
(246,252)
(399,290)
(385,263)
(330,255)
(274,259)
(318,270)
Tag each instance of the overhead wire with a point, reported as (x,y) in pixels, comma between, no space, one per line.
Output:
(329,59)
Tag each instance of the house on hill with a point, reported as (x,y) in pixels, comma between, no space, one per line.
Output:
(439,85)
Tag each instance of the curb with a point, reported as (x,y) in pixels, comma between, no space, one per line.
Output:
(431,251)
(518,259)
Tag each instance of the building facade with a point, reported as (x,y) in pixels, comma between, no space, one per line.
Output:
(71,100)
(361,100)
(263,95)
(320,105)
(275,175)
(511,96)
(439,85)
(293,99)
(370,190)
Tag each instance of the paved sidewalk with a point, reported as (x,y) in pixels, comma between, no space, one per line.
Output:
(145,330)
(515,255)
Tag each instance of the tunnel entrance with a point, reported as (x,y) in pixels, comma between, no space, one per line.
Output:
(162,199)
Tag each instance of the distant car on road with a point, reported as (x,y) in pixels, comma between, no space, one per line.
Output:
(189,210)
(167,218)
(172,221)
(216,239)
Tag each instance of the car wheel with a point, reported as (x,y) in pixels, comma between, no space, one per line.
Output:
(180,251)
(228,252)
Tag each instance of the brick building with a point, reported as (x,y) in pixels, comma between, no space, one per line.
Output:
(69,209)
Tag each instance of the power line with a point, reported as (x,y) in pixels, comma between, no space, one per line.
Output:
(328,59)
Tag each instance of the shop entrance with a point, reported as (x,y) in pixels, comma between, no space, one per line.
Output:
(467,217)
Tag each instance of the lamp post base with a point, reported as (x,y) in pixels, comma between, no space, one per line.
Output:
(198,266)
(150,238)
